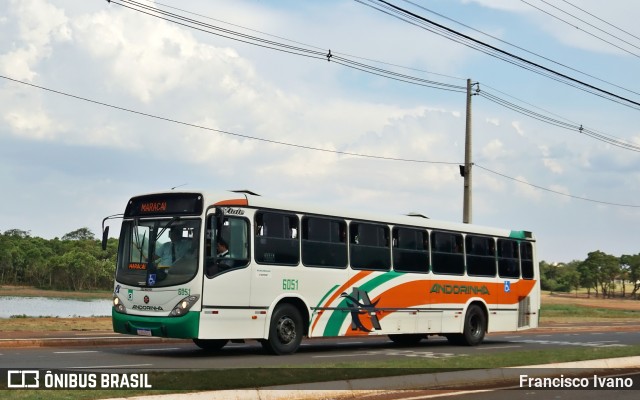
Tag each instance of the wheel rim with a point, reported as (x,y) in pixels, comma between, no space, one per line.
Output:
(286,329)
(474,325)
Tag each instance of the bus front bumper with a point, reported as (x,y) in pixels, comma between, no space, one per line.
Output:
(184,327)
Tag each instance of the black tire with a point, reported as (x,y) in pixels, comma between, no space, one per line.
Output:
(409,339)
(475,327)
(285,331)
(210,344)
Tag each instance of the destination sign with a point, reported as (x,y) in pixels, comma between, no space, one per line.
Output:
(138,266)
(165,204)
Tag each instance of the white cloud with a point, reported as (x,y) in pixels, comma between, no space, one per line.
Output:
(553,165)
(493,121)
(493,150)
(516,126)
(507,5)
(39,25)
(30,123)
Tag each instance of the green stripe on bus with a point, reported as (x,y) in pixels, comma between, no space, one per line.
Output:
(322,301)
(517,235)
(338,316)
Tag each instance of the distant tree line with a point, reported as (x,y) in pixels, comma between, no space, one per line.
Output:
(77,262)
(74,262)
(605,275)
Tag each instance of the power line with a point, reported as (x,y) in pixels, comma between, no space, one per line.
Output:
(587,23)
(308,45)
(555,191)
(300,49)
(519,47)
(175,121)
(600,19)
(408,16)
(560,123)
(346,62)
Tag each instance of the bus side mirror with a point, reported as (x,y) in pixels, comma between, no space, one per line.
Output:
(105,237)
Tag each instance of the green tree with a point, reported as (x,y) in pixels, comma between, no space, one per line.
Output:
(588,276)
(604,268)
(569,278)
(80,234)
(631,263)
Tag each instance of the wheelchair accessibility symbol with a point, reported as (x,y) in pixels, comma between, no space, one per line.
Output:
(507,286)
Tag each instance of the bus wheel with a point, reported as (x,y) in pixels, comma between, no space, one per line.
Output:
(210,344)
(285,331)
(475,326)
(407,339)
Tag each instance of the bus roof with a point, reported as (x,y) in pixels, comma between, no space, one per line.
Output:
(252,200)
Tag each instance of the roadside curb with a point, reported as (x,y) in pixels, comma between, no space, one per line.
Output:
(84,341)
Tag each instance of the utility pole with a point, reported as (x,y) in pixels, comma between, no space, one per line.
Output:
(466,172)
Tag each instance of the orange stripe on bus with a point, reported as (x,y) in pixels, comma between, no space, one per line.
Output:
(418,293)
(233,202)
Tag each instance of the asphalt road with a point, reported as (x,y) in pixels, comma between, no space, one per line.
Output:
(147,355)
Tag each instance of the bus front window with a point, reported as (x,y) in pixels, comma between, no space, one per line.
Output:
(158,253)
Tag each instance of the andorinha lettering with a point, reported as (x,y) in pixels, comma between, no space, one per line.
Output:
(147,308)
(153,206)
(459,289)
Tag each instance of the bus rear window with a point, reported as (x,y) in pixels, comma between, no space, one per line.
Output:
(526,253)
(508,258)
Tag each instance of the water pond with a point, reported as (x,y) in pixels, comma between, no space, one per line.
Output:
(53,307)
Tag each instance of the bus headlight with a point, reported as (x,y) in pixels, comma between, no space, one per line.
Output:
(118,305)
(183,306)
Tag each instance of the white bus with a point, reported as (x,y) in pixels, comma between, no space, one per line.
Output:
(213,267)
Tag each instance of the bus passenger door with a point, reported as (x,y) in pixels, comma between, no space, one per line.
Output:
(227,279)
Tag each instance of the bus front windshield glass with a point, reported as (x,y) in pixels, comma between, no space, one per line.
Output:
(158,253)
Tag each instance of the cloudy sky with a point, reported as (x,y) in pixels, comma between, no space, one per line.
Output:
(69,157)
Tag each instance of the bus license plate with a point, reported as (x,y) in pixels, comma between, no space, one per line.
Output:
(144,332)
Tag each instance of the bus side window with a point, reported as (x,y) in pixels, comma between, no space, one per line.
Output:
(508,258)
(447,256)
(481,255)
(277,238)
(526,252)
(323,242)
(369,246)
(410,250)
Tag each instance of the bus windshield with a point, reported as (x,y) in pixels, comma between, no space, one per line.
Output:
(158,252)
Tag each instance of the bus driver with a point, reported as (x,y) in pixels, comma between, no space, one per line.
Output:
(174,250)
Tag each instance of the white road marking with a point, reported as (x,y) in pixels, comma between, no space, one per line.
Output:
(113,366)
(75,352)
